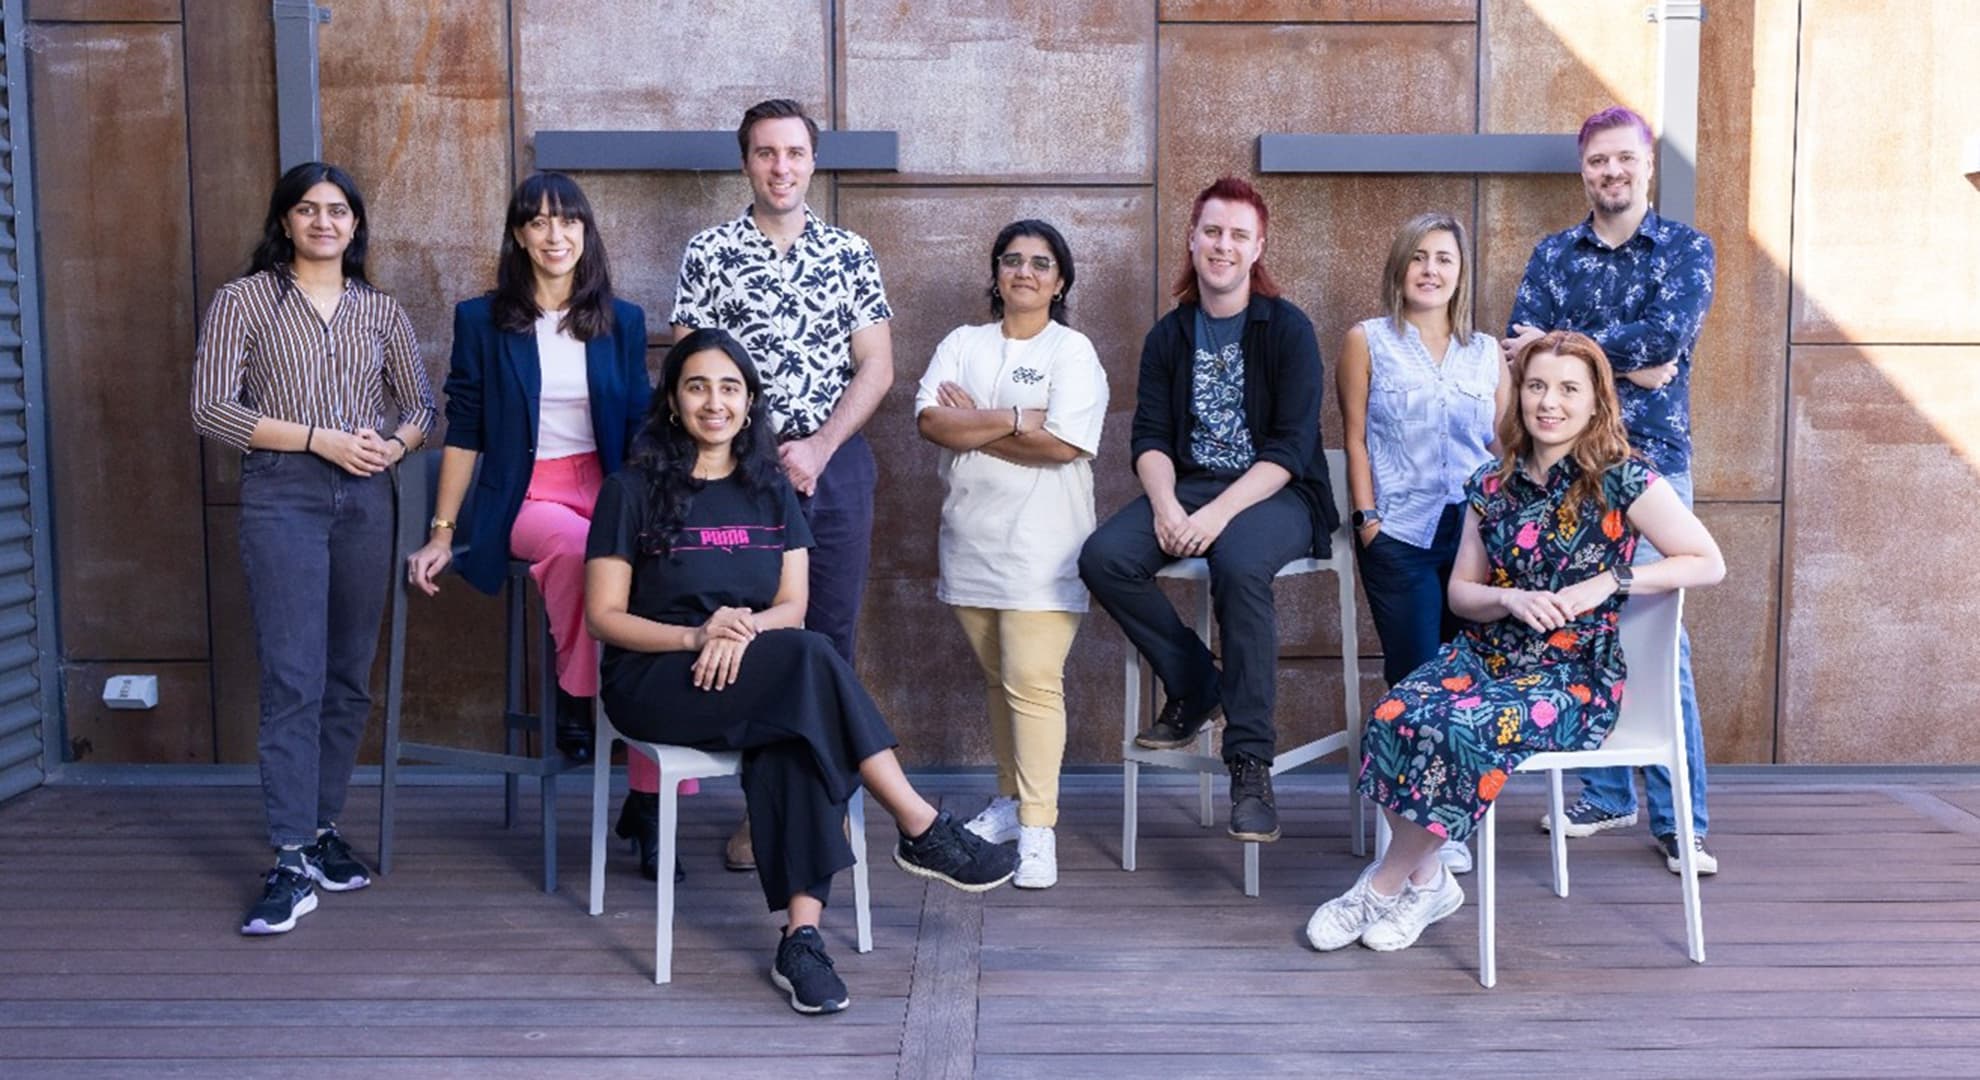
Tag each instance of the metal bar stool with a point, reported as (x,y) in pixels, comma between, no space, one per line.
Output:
(416,492)
(1139,703)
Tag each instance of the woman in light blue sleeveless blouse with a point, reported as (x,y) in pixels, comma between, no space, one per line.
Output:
(1420,394)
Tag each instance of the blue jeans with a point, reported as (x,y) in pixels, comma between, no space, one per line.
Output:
(1406,587)
(1614,790)
(316,545)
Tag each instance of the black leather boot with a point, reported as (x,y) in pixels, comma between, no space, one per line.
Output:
(639,821)
(574,727)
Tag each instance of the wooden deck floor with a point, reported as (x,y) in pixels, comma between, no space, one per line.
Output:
(1843,936)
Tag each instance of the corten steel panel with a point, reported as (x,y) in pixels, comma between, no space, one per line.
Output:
(1309,616)
(1884,221)
(119,308)
(634,65)
(1745,184)
(934,250)
(179,731)
(453,693)
(1883,475)
(1735,633)
(1224,85)
(1546,65)
(236,682)
(646,221)
(916,663)
(1031,90)
(1291,11)
(230,124)
(106,11)
(416,106)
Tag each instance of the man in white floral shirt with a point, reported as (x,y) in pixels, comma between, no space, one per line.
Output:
(807,300)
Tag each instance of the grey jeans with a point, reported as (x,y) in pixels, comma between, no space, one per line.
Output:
(316,544)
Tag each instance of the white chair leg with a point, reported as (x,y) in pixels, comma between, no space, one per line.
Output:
(1130,811)
(1351,701)
(862,907)
(1558,833)
(663,919)
(1251,868)
(1381,836)
(1694,913)
(601,797)
(1488,899)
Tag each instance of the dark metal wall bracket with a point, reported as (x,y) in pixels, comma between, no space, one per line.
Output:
(701,151)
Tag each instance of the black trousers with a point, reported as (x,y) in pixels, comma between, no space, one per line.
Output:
(1119,563)
(803,723)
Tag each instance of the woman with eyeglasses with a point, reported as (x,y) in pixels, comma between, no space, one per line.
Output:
(1016,405)
(312,373)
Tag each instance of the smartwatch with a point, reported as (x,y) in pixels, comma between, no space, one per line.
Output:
(1361,519)
(1624,577)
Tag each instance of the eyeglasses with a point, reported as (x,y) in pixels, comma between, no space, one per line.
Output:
(1040,264)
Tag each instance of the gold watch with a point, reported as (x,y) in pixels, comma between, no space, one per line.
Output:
(440,523)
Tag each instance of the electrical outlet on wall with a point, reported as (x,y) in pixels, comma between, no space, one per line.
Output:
(131,691)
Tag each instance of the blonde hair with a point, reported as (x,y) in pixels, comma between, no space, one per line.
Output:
(1602,445)
(1403,249)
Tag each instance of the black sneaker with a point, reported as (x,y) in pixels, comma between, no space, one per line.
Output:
(1704,860)
(953,855)
(1172,730)
(286,895)
(1254,814)
(331,863)
(804,971)
(1585,819)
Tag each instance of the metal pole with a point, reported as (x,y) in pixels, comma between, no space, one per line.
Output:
(1678,24)
(298,103)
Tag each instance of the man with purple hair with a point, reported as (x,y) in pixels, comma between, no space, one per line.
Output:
(1640,285)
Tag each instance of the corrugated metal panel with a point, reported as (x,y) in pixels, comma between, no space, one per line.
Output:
(26,691)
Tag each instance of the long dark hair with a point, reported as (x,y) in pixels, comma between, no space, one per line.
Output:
(663,454)
(1061,254)
(276,251)
(589,313)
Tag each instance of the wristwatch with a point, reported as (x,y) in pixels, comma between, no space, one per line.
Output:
(1624,576)
(440,523)
(1361,519)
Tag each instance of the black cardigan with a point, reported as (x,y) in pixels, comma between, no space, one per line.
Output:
(1282,392)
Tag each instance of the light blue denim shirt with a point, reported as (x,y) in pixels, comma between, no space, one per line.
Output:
(1429,425)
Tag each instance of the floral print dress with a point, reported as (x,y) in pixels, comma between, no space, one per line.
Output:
(1441,742)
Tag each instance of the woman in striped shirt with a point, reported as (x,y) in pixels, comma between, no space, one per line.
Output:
(314,375)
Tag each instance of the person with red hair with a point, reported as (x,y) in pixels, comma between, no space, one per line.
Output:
(1226,444)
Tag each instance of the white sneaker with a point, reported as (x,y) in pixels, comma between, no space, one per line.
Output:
(1419,907)
(997,823)
(1455,855)
(1342,920)
(1038,858)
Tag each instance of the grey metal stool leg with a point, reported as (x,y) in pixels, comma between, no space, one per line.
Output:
(546,727)
(515,667)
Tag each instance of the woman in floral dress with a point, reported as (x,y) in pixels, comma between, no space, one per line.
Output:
(1542,570)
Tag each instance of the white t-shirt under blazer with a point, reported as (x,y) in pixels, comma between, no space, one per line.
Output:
(563,424)
(1011,534)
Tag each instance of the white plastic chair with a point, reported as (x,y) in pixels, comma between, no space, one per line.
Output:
(678,763)
(1138,705)
(1649,731)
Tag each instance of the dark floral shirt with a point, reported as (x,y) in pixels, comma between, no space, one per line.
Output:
(796,313)
(1535,538)
(1644,303)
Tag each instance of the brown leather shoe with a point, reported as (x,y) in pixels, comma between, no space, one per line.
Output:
(737,854)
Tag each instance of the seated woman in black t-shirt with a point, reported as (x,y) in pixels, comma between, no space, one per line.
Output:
(696,563)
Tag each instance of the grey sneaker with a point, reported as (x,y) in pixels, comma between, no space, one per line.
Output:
(1416,910)
(1342,920)
(1584,819)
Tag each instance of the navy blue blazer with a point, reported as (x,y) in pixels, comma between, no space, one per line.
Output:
(494,398)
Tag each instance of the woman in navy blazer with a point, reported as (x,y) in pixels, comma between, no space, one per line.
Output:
(547,388)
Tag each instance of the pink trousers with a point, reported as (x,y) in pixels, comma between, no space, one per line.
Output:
(550,532)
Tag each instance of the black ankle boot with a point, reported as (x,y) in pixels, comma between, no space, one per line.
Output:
(639,821)
(574,727)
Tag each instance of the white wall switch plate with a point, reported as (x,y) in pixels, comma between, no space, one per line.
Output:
(131,691)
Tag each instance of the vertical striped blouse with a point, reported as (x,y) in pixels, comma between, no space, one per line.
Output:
(264,351)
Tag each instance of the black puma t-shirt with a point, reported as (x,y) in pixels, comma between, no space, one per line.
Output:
(729,552)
